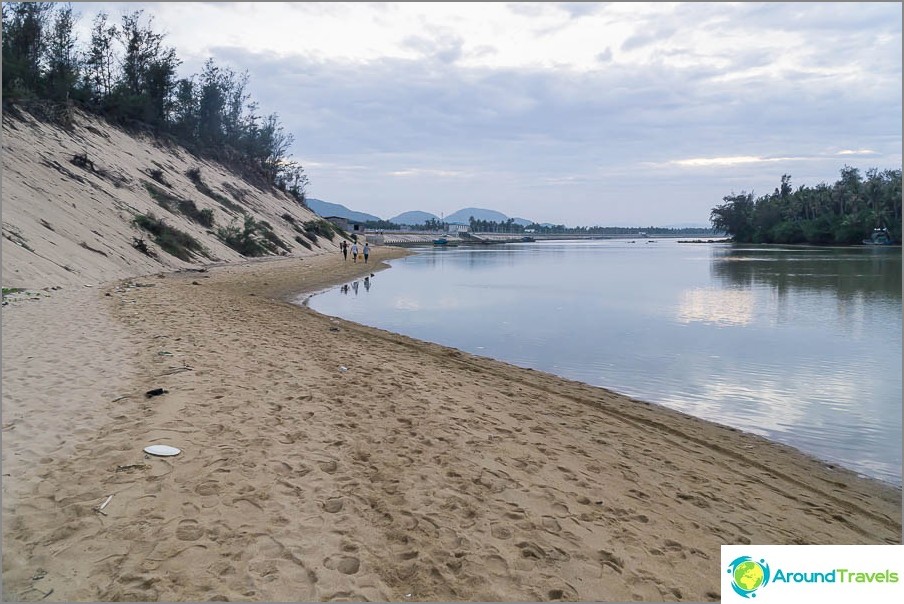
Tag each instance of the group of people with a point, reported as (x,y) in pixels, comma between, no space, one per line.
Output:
(354,250)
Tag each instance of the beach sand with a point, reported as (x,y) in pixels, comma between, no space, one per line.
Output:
(417,473)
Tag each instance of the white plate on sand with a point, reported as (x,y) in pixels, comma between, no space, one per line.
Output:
(162,450)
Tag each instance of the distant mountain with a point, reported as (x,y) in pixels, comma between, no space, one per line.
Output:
(412,218)
(460,217)
(464,216)
(325,208)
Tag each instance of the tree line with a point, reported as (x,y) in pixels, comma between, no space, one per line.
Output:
(510,226)
(126,73)
(844,213)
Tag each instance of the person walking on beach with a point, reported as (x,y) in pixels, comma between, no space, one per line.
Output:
(344,247)
(355,252)
(366,252)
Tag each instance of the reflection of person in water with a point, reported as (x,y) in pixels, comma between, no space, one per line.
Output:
(367,283)
(345,289)
(355,287)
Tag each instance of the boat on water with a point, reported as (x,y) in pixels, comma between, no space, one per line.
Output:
(879,237)
(441,241)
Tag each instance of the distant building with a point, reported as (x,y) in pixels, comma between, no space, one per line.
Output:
(344,224)
(457,227)
(338,221)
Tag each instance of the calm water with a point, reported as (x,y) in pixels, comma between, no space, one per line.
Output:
(802,346)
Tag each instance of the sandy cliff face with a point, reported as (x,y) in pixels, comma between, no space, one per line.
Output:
(69,223)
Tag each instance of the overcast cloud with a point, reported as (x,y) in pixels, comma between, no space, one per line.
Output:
(628,114)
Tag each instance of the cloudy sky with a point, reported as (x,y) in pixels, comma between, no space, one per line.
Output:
(627,114)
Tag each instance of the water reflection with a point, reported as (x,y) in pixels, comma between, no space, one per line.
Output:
(844,272)
(717,306)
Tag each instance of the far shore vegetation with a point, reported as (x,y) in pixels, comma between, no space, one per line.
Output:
(845,213)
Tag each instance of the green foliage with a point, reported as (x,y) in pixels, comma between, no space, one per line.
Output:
(272,238)
(147,79)
(734,216)
(62,62)
(157,174)
(126,73)
(842,214)
(186,207)
(194,174)
(203,217)
(173,241)
(98,67)
(788,232)
(253,238)
(380,225)
(164,200)
(25,35)
(274,241)
(321,227)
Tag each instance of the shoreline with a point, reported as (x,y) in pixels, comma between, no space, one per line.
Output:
(879,471)
(419,473)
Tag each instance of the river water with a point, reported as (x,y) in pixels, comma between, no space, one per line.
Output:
(800,345)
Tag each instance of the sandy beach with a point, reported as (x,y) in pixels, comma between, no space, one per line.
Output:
(323,460)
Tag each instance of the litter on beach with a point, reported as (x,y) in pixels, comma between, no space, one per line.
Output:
(162,450)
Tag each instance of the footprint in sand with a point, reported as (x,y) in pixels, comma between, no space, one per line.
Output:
(347,565)
(673,546)
(496,565)
(561,509)
(609,559)
(189,530)
(208,488)
(281,468)
(557,594)
(333,505)
(531,550)
(551,524)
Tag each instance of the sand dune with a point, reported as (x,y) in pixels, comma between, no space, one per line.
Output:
(417,473)
(70,224)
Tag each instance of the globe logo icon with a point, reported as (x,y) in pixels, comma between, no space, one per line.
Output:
(748,575)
